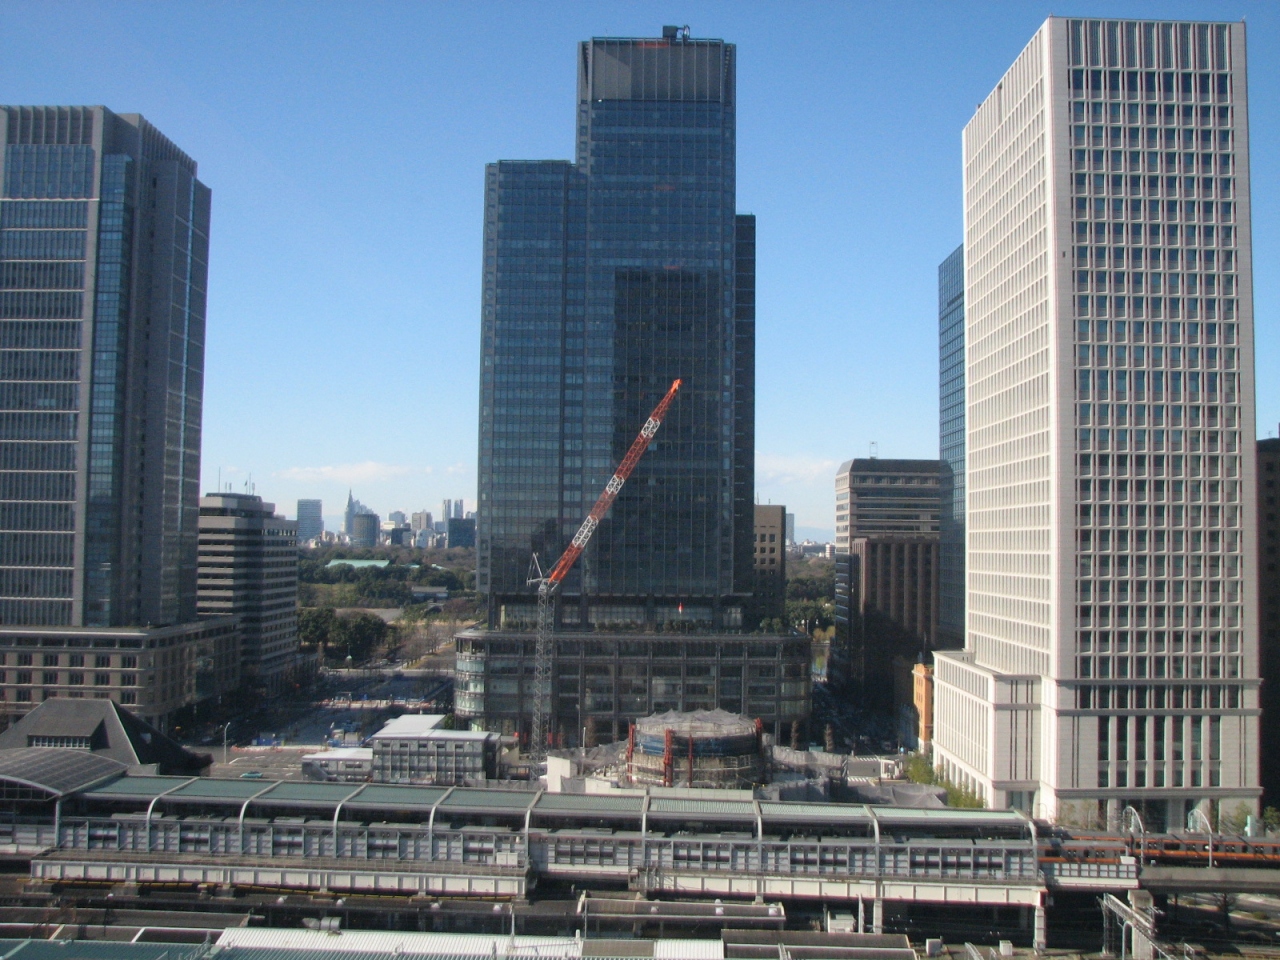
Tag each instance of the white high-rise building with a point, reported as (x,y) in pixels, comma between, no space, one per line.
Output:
(1111,654)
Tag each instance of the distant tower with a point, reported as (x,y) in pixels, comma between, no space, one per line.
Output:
(447,511)
(310,520)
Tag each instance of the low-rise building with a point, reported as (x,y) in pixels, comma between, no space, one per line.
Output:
(154,671)
(413,749)
(341,765)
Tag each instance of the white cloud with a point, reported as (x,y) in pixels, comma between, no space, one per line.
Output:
(370,471)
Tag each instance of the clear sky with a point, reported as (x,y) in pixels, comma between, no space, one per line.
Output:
(345,145)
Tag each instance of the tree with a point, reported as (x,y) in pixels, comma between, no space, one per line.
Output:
(357,635)
(315,625)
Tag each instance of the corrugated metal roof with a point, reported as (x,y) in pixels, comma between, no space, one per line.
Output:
(830,812)
(513,801)
(434,945)
(95,950)
(319,794)
(688,950)
(947,815)
(393,795)
(209,789)
(56,770)
(143,788)
(736,809)
(578,803)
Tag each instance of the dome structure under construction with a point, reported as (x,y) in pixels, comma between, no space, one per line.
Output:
(712,748)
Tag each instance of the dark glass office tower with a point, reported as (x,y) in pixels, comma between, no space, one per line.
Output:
(951,449)
(103,248)
(604,280)
(104,239)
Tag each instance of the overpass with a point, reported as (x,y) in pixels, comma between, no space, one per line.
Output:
(79,822)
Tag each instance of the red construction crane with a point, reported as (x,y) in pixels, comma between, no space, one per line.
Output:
(548,585)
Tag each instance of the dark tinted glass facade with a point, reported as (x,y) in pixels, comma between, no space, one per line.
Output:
(604,280)
(103,261)
(951,449)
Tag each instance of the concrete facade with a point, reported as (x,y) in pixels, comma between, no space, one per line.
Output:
(1111,653)
(770,562)
(249,569)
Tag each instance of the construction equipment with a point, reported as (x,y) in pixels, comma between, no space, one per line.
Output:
(547,585)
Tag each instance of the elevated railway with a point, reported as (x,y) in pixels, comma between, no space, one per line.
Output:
(98,826)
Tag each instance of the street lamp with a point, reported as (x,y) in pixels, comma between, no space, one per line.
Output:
(1130,816)
(1208,827)
(225,727)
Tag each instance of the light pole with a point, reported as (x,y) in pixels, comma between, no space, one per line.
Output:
(1208,827)
(1130,816)
(225,727)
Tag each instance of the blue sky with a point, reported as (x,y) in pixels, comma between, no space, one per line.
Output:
(345,145)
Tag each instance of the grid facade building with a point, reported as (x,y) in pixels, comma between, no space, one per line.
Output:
(886,497)
(249,569)
(154,671)
(770,596)
(605,279)
(1111,652)
(1269,614)
(951,450)
(310,520)
(104,237)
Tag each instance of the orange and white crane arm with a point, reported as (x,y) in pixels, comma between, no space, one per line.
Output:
(611,489)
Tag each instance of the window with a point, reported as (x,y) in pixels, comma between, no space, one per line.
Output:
(101,679)
(102,660)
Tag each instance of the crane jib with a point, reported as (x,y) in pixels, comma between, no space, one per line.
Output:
(548,585)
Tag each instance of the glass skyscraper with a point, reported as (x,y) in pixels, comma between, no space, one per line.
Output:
(104,237)
(604,280)
(104,243)
(951,449)
(1111,654)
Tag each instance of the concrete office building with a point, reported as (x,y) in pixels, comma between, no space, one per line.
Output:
(1269,613)
(894,506)
(1111,654)
(951,450)
(893,497)
(310,520)
(649,276)
(365,529)
(886,614)
(249,569)
(461,532)
(154,671)
(104,238)
(420,520)
(770,593)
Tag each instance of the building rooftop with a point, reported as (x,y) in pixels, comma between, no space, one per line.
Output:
(411,725)
(56,771)
(104,728)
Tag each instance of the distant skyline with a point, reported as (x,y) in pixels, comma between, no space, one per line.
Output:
(345,146)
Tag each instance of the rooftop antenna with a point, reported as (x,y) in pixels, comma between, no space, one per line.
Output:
(875,449)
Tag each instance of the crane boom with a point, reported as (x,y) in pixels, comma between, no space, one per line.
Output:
(548,585)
